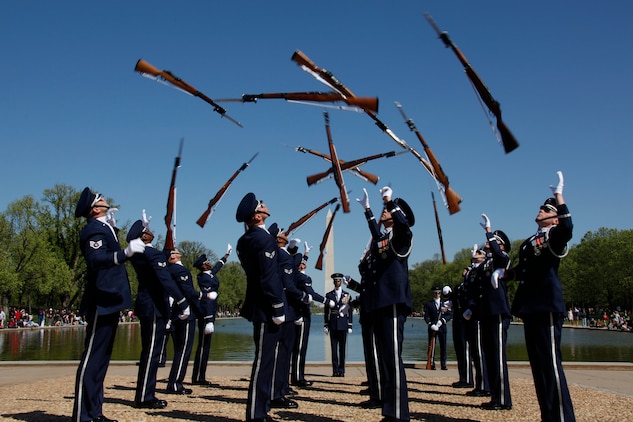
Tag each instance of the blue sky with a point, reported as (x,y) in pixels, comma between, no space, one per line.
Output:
(73,111)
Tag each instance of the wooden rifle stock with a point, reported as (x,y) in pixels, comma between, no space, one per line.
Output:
(308,216)
(145,68)
(170,241)
(452,199)
(431,352)
(319,262)
(507,138)
(370,103)
(345,165)
(336,165)
(205,215)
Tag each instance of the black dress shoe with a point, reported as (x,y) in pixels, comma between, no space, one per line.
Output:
(477,393)
(103,419)
(494,406)
(161,365)
(302,383)
(461,384)
(292,393)
(444,368)
(371,404)
(205,383)
(151,404)
(183,391)
(283,403)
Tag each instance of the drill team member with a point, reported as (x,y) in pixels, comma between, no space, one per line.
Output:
(338,323)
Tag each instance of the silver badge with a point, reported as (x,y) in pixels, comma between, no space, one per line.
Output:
(96,245)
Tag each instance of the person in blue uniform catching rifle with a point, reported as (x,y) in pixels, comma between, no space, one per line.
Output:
(263,303)
(152,308)
(106,293)
(474,281)
(539,303)
(338,323)
(184,325)
(390,301)
(495,318)
(436,315)
(302,331)
(208,283)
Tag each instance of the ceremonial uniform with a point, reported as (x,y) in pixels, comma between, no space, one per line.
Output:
(106,293)
(337,323)
(462,352)
(209,284)
(539,303)
(495,320)
(263,304)
(152,308)
(184,328)
(390,298)
(436,315)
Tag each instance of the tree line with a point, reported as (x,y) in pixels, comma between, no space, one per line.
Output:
(42,265)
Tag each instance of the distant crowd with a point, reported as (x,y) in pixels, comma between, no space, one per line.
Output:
(617,319)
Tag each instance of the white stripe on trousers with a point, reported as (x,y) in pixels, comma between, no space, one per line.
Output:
(80,386)
(257,363)
(561,409)
(148,363)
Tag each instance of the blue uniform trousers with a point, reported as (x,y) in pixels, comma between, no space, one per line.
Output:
(388,325)
(473,335)
(266,338)
(338,341)
(152,337)
(300,349)
(494,333)
(542,339)
(93,365)
(282,367)
(462,353)
(371,358)
(184,333)
(201,359)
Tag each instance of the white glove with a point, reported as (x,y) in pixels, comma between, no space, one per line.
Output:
(386,191)
(494,279)
(331,303)
(486,223)
(467,314)
(555,189)
(110,216)
(185,314)
(168,325)
(212,295)
(294,243)
(145,220)
(346,279)
(299,321)
(229,249)
(307,248)
(439,324)
(349,331)
(475,249)
(447,290)
(434,327)
(209,328)
(326,330)
(135,246)
(365,201)
(279,320)
(308,299)
(343,310)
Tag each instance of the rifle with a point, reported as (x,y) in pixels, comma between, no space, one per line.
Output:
(439,229)
(507,138)
(336,165)
(300,222)
(163,76)
(452,198)
(431,352)
(170,237)
(330,80)
(220,194)
(354,169)
(319,262)
(370,103)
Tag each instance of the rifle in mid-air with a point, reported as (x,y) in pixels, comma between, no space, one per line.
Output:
(336,165)
(300,222)
(163,76)
(370,103)
(170,215)
(330,80)
(213,203)
(439,229)
(319,262)
(507,138)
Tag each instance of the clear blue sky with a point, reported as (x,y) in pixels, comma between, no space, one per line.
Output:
(73,111)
